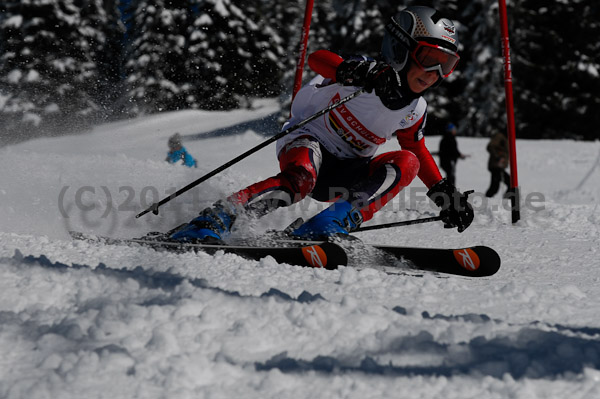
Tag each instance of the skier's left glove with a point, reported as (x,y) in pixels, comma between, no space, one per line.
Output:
(367,74)
(456,210)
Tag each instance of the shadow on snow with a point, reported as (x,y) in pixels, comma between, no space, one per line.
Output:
(529,352)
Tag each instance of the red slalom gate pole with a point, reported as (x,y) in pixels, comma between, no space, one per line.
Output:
(303,46)
(510,113)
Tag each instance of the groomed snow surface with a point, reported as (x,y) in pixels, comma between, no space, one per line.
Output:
(84,320)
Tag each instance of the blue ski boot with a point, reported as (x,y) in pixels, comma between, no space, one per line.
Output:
(339,219)
(212,225)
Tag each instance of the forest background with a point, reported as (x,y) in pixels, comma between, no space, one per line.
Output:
(66,65)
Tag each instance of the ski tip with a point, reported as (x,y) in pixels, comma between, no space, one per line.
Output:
(326,255)
(478,261)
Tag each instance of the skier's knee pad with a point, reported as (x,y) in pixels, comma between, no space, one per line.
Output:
(406,161)
(300,180)
(299,163)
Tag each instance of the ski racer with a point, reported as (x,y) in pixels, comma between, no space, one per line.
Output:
(333,159)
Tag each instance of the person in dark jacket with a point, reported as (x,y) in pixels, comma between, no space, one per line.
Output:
(449,153)
(497,163)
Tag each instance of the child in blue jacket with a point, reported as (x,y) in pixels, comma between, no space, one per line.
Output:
(178,154)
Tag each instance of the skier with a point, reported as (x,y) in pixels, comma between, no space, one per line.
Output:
(497,163)
(177,152)
(332,158)
(449,153)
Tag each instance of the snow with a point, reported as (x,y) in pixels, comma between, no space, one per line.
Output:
(85,320)
(34,76)
(14,76)
(14,22)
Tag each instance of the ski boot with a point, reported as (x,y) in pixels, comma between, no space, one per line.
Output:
(338,220)
(212,225)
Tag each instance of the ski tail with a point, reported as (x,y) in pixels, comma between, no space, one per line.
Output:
(325,255)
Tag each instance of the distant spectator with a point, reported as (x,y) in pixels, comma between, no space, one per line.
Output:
(178,154)
(449,153)
(497,163)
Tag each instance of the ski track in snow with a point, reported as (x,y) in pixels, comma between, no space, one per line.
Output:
(79,319)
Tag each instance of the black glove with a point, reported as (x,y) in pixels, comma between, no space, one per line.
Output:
(456,210)
(367,74)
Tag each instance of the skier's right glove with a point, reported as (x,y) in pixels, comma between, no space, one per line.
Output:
(367,74)
(456,210)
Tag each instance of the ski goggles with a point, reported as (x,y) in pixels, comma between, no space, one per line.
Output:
(431,57)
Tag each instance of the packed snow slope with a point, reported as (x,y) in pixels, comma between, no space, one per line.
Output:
(84,320)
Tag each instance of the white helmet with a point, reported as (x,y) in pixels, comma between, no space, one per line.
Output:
(426,36)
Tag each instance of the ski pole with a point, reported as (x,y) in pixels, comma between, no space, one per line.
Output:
(408,222)
(396,224)
(154,207)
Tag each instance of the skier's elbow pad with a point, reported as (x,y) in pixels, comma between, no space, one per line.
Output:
(324,63)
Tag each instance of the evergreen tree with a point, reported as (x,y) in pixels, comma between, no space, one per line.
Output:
(556,66)
(207,52)
(62,65)
(107,52)
(155,60)
(359,26)
(47,75)
(286,19)
(233,54)
(268,48)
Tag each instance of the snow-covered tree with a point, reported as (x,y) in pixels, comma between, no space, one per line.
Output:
(233,55)
(268,43)
(358,26)
(556,65)
(157,79)
(62,64)
(48,77)
(107,52)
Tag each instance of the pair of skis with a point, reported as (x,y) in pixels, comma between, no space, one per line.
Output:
(476,261)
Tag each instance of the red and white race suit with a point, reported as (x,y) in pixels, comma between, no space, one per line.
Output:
(336,151)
